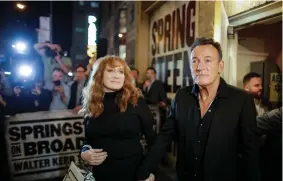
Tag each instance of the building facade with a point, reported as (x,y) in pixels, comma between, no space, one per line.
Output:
(160,33)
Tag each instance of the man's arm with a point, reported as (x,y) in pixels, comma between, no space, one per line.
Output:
(249,140)
(162,92)
(162,95)
(270,121)
(39,46)
(158,149)
(65,63)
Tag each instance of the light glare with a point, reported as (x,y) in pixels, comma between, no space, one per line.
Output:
(25,70)
(21,6)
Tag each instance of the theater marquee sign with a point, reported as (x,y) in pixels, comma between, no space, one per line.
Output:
(41,145)
(172,31)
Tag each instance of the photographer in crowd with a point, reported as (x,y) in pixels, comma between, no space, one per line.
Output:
(52,57)
(60,90)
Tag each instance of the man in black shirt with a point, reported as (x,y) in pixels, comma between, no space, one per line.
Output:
(214,125)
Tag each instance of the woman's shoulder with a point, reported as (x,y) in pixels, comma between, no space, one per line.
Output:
(87,119)
(141,100)
(141,104)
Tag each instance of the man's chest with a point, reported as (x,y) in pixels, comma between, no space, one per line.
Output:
(219,115)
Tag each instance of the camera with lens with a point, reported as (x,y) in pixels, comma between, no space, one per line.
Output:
(57,83)
(52,53)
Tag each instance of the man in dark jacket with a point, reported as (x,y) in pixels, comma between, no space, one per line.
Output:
(153,89)
(213,124)
(77,88)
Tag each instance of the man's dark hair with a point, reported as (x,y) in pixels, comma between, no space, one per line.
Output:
(80,66)
(132,68)
(249,76)
(151,68)
(207,41)
(57,70)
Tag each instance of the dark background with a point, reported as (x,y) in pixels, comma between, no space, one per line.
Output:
(15,22)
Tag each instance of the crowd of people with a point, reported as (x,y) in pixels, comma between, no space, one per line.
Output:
(58,91)
(216,126)
(55,91)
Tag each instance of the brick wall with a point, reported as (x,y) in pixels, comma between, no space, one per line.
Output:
(206,19)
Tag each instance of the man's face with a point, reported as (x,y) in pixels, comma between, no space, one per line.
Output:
(57,75)
(150,75)
(254,86)
(205,64)
(135,74)
(80,73)
(17,90)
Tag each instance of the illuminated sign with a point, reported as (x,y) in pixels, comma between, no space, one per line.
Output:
(92,33)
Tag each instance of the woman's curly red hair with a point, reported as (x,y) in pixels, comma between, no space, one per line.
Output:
(94,92)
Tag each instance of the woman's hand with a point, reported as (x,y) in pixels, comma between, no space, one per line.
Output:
(94,156)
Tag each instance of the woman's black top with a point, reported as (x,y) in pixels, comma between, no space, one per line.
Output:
(118,133)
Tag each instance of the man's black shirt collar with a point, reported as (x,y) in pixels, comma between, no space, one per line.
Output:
(221,91)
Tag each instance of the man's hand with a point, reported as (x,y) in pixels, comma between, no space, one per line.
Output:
(94,156)
(36,91)
(59,89)
(150,178)
(54,47)
(162,104)
(77,109)
(146,84)
(57,47)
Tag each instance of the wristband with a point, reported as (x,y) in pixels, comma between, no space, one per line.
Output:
(85,148)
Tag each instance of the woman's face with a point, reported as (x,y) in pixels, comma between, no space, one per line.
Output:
(113,78)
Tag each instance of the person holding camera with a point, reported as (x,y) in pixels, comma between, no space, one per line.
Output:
(41,97)
(52,57)
(60,90)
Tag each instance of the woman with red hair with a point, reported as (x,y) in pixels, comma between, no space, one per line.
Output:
(115,117)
